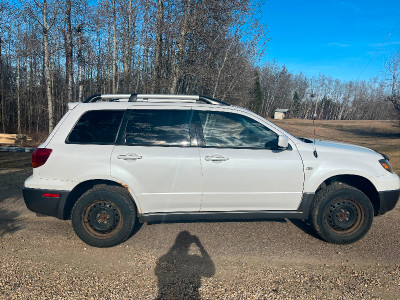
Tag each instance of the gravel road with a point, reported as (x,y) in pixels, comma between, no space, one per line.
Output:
(41,257)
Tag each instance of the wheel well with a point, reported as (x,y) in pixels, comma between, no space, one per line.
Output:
(360,183)
(80,189)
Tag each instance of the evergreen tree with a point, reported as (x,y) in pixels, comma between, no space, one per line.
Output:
(296,104)
(258,95)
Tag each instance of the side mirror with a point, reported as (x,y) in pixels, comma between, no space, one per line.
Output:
(283,142)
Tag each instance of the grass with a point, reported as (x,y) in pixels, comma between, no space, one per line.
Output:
(17,160)
(382,136)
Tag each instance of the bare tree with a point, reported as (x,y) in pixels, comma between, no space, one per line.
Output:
(4,13)
(39,11)
(81,17)
(2,99)
(392,66)
(129,12)
(393,69)
(114,57)
(180,48)
(68,50)
(158,46)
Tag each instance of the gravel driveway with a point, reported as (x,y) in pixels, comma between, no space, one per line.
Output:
(41,257)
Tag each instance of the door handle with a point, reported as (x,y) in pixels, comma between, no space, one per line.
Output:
(216,157)
(129,156)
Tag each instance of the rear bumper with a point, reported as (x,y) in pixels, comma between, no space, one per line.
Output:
(388,200)
(36,201)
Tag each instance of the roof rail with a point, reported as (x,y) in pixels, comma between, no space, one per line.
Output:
(152,98)
(109,97)
(210,100)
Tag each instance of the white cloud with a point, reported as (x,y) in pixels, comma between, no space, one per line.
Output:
(385,44)
(341,45)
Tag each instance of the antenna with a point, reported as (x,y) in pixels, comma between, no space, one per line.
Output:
(313,123)
(379,49)
(312,95)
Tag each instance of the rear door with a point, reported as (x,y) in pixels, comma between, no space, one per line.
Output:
(158,158)
(242,168)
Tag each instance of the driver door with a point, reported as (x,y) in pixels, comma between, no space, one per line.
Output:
(242,168)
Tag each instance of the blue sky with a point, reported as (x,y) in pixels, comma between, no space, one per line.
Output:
(347,40)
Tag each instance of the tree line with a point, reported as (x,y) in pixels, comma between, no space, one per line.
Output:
(328,98)
(57,51)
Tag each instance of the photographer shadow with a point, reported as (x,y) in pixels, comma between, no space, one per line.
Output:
(179,273)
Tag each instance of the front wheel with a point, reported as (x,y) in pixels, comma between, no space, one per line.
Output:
(104,216)
(341,214)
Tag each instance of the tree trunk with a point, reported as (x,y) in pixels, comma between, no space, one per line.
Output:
(109,66)
(176,63)
(128,41)
(394,81)
(114,58)
(221,67)
(18,99)
(3,107)
(30,91)
(68,51)
(80,63)
(139,72)
(158,47)
(47,67)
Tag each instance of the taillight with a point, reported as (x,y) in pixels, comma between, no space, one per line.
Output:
(40,156)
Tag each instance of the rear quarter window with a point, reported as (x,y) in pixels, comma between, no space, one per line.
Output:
(96,127)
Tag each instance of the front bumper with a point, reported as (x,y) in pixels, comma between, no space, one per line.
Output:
(37,202)
(388,200)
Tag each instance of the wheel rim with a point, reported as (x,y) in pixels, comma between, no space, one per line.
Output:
(344,216)
(102,219)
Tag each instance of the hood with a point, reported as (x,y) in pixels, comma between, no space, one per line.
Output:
(343,146)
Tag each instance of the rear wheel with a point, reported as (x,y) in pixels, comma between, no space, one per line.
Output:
(104,216)
(341,214)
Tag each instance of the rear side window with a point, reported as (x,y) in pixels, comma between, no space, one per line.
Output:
(158,127)
(96,127)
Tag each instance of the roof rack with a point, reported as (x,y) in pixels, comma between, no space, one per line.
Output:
(153,98)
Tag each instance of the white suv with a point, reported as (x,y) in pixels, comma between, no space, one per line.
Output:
(114,160)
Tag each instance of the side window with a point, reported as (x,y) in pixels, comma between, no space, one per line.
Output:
(96,127)
(150,127)
(229,130)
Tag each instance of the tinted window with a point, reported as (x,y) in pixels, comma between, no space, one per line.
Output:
(96,127)
(158,127)
(231,130)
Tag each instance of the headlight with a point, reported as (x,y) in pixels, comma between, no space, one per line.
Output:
(386,165)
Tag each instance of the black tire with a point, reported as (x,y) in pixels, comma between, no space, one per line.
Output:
(104,216)
(341,214)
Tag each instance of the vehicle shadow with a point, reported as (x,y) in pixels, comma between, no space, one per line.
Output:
(215,221)
(305,227)
(135,229)
(302,225)
(179,272)
(9,222)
